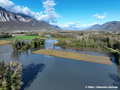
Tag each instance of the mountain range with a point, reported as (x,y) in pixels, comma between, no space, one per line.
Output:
(109,26)
(10,21)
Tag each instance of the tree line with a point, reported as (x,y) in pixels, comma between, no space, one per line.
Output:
(94,40)
(25,45)
(5,35)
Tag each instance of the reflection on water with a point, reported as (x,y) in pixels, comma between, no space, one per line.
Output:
(16,54)
(30,73)
(49,44)
(116,78)
(41,72)
(96,52)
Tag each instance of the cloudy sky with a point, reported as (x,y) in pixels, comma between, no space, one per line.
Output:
(68,14)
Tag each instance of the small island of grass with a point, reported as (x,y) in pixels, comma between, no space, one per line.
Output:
(76,56)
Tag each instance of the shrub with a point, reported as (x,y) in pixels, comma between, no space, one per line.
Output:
(24,45)
(10,76)
(5,35)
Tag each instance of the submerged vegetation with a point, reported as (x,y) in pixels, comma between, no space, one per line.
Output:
(37,42)
(114,53)
(25,45)
(93,39)
(69,42)
(76,56)
(20,45)
(71,39)
(90,41)
(10,76)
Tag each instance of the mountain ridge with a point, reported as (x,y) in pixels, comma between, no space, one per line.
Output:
(108,26)
(10,21)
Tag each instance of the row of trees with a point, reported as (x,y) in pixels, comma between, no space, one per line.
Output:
(62,35)
(112,41)
(37,42)
(94,40)
(10,76)
(80,44)
(5,35)
(31,33)
(25,45)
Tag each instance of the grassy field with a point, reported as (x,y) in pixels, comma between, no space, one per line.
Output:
(4,42)
(23,38)
(75,56)
(19,38)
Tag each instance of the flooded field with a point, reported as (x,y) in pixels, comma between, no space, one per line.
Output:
(42,72)
(75,56)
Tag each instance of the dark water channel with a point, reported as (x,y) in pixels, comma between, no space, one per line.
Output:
(42,72)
